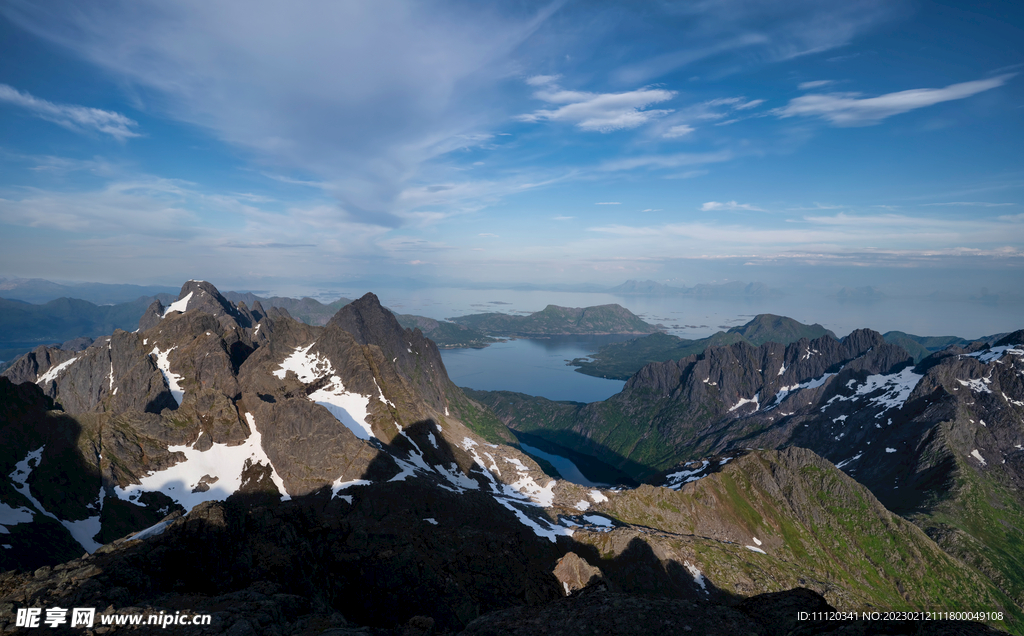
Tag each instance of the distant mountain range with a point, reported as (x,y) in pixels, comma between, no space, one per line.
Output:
(297,479)
(38,290)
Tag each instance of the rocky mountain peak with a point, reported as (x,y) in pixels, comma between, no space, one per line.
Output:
(202,296)
(1015,338)
(367,320)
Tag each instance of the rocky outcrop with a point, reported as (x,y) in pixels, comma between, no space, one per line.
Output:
(574,573)
(290,478)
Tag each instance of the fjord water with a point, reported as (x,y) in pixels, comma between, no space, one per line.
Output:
(565,467)
(533,366)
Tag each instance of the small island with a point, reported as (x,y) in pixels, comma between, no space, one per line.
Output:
(601,320)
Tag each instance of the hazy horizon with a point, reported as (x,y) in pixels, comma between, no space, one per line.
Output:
(682,315)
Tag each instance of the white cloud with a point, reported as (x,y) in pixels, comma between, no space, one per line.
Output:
(728,205)
(608,203)
(600,112)
(374,92)
(76,118)
(562,218)
(542,80)
(676,132)
(850,109)
(815,84)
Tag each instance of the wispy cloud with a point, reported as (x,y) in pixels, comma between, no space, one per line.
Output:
(676,132)
(562,218)
(815,84)
(711,206)
(600,112)
(817,206)
(276,246)
(689,174)
(832,236)
(608,203)
(661,161)
(735,35)
(975,204)
(850,109)
(76,118)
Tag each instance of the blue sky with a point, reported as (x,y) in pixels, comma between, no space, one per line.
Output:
(801,143)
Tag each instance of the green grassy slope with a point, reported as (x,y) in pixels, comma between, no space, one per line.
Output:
(818,528)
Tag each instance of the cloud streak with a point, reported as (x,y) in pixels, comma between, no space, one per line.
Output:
(598,112)
(712,206)
(76,118)
(850,109)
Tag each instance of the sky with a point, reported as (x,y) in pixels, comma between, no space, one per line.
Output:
(803,144)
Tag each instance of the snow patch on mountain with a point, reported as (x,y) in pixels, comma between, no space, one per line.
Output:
(753,400)
(524,492)
(786,390)
(82,530)
(170,377)
(152,531)
(978,385)
(54,371)
(178,305)
(676,480)
(847,461)
(698,577)
(895,389)
(219,468)
(13,516)
(340,485)
(351,409)
(307,367)
(996,353)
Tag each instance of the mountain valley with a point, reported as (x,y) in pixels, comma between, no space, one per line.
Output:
(295,478)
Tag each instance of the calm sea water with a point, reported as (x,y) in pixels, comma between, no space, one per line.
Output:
(535,367)
(699,318)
